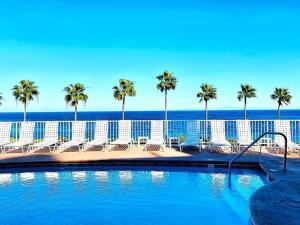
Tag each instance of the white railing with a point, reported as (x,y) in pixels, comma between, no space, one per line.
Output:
(185,128)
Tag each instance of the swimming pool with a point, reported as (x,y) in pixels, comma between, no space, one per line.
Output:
(127,195)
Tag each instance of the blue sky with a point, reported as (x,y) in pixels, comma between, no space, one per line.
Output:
(225,43)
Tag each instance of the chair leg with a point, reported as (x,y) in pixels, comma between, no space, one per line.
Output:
(212,149)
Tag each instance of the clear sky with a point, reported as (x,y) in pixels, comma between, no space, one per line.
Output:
(226,43)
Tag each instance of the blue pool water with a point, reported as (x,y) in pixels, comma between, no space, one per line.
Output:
(128,195)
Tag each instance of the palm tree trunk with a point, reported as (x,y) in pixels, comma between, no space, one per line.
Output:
(245,107)
(206,120)
(75,114)
(278,112)
(166,105)
(166,114)
(123,109)
(25,108)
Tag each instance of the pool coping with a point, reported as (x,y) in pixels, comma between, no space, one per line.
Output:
(130,162)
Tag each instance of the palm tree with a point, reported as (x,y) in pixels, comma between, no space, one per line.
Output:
(283,97)
(207,93)
(125,88)
(166,82)
(25,92)
(75,94)
(1,98)
(246,92)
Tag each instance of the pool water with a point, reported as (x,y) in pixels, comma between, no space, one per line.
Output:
(126,195)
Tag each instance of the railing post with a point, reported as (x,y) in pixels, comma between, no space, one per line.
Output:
(285,151)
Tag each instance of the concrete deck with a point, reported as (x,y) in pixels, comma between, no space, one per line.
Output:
(134,155)
(279,202)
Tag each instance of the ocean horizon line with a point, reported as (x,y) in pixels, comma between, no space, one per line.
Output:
(171,110)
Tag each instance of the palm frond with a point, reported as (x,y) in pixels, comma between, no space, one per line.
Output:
(25,91)
(75,93)
(125,88)
(1,98)
(240,95)
(282,96)
(248,91)
(167,81)
(207,92)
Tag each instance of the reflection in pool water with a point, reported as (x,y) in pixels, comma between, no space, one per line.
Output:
(125,177)
(5,178)
(157,176)
(27,177)
(79,175)
(101,175)
(127,195)
(51,176)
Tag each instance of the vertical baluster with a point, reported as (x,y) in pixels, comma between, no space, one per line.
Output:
(294,137)
(17,131)
(298,122)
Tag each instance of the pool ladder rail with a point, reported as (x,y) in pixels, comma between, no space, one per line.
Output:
(253,143)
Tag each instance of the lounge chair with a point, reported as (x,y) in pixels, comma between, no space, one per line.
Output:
(124,134)
(100,137)
(50,138)
(192,137)
(244,134)
(218,136)
(78,136)
(26,138)
(5,130)
(284,126)
(157,135)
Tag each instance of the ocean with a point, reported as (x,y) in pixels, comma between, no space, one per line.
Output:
(152,115)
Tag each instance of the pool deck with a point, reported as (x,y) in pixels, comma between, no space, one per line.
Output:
(134,156)
(275,203)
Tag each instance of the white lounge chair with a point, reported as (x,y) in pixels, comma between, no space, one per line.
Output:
(5,130)
(50,138)
(244,134)
(100,137)
(218,135)
(192,137)
(156,135)
(124,134)
(26,138)
(284,126)
(78,136)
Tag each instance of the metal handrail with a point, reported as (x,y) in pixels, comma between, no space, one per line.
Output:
(253,143)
